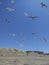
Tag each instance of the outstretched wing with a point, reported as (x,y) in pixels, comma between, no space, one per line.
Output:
(46,6)
(33,17)
(26,14)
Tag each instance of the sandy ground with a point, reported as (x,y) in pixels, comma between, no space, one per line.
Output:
(25,60)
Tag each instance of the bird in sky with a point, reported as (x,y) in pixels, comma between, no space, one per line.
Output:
(45,39)
(21,33)
(34,35)
(0,3)
(43,5)
(32,17)
(12,34)
(21,45)
(26,14)
(12,1)
(10,9)
(7,21)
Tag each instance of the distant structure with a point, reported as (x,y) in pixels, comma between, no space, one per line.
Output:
(39,52)
(28,52)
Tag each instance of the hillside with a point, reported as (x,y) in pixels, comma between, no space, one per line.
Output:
(18,57)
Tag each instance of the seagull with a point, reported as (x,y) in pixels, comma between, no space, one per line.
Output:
(32,17)
(12,34)
(43,5)
(10,9)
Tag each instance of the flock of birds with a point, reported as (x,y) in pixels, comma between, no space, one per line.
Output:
(27,15)
(34,17)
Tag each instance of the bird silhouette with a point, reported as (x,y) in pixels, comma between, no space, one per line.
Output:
(43,5)
(33,17)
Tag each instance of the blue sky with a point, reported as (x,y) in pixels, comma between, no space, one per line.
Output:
(23,27)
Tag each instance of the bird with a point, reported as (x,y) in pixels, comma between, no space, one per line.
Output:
(0,3)
(43,5)
(10,9)
(45,39)
(32,17)
(12,1)
(7,21)
(26,14)
(12,34)
(33,33)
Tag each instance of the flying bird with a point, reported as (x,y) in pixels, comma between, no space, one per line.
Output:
(34,35)
(32,17)
(21,34)
(7,21)
(26,14)
(0,3)
(10,9)
(12,34)
(12,1)
(21,45)
(45,39)
(43,5)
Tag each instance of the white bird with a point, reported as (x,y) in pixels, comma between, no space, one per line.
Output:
(12,34)
(26,14)
(10,9)
(12,1)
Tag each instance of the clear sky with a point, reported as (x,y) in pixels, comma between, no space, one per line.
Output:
(18,33)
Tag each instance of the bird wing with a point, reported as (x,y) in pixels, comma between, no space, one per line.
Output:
(26,14)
